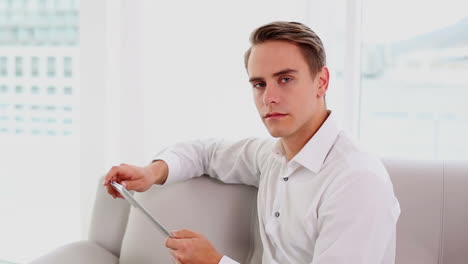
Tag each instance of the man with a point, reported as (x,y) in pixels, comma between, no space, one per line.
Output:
(321,199)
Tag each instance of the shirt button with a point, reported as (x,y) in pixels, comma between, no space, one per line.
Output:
(286,179)
(277,214)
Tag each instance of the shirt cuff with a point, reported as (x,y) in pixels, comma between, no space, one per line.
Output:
(173,164)
(227,260)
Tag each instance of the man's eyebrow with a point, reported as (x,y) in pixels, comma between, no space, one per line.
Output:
(255,79)
(285,71)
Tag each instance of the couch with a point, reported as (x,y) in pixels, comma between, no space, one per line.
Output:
(432,229)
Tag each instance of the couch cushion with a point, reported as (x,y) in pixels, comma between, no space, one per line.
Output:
(455,231)
(78,253)
(224,213)
(418,187)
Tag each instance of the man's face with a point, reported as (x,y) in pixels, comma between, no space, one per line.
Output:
(282,83)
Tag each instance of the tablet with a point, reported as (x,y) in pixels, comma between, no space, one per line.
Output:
(129,198)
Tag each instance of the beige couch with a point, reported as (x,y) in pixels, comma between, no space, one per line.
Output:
(432,229)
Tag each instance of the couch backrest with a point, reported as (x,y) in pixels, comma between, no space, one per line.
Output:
(432,229)
(108,220)
(433,225)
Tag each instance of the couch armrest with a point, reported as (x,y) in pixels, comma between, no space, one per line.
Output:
(78,253)
(108,221)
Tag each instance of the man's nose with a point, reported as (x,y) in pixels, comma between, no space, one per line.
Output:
(271,95)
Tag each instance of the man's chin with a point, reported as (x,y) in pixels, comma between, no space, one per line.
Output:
(277,134)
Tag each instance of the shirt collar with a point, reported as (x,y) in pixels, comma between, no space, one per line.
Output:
(314,152)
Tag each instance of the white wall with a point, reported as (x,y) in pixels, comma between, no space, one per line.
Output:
(93,46)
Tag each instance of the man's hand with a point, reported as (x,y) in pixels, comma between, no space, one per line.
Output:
(136,178)
(192,248)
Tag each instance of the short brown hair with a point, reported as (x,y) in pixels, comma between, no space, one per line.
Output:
(309,42)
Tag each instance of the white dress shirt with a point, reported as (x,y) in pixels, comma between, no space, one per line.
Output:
(331,204)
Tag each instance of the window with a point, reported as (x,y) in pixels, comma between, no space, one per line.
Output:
(39,135)
(35,66)
(414,81)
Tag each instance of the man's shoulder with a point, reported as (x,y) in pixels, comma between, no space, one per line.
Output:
(349,156)
(255,147)
(358,171)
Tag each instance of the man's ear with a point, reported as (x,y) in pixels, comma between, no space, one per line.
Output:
(323,78)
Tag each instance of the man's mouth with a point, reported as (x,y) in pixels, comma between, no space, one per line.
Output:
(274,115)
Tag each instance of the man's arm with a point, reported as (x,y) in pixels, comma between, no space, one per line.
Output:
(231,162)
(228,161)
(357,221)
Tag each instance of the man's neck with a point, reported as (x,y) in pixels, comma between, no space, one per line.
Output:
(294,143)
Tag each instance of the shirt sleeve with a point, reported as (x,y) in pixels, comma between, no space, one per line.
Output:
(357,220)
(227,260)
(228,161)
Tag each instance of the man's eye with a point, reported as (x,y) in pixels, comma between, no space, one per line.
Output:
(259,85)
(285,79)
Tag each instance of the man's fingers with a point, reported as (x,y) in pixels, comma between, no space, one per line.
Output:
(118,174)
(130,185)
(181,238)
(185,233)
(111,175)
(114,193)
(111,191)
(126,172)
(176,256)
(172,243)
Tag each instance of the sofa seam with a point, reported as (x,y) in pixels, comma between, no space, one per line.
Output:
(442,218)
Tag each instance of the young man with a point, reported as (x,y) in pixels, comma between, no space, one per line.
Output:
(321,199)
